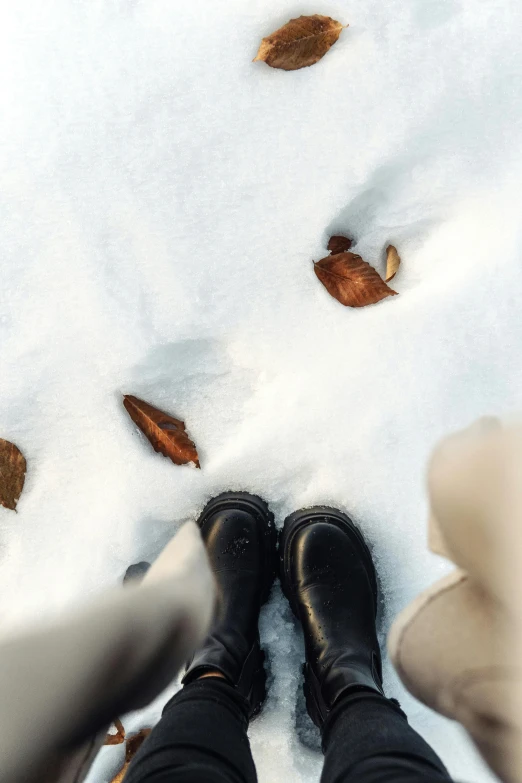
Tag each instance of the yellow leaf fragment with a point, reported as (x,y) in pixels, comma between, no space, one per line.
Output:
(393,262)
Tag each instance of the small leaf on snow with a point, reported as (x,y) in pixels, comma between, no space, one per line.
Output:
(300,42)
(393,262)
(167,434)
(351,280)
(12,474)
(339,244)
(119,737)
(121,774)
(133,744)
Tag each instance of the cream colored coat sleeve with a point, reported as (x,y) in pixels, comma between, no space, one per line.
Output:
(65,683)
(458,646)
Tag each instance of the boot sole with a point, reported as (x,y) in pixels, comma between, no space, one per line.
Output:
(255,505)
(306,516)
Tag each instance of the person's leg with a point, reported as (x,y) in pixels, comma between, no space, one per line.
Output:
(201,738)
(367,739)
(327,574)
(202,735)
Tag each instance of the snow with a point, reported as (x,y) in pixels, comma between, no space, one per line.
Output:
(162,200)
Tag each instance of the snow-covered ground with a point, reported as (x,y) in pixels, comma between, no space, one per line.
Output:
(161,201)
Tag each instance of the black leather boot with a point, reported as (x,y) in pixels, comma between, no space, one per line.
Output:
(327,574)
(241,540)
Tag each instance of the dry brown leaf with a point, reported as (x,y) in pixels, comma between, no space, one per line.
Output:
(393,262)
(167,434)
(351,280)
(133,744)
(12,474)
(300,42)
(121,774)
(119,737)
(339,244)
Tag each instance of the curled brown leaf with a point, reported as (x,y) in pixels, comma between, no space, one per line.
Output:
(393,262)
(119,737)
(300,42)
(132,745)
(12,474)
(135,742)
(339,244)
(119,778)
(166,434)
(352,281)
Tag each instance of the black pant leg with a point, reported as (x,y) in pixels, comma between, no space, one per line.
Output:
(201,738)
(367,739)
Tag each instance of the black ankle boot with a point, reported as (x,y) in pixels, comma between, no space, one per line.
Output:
(240,537)
(328,576)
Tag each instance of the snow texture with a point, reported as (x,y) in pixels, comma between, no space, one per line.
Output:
(162,200)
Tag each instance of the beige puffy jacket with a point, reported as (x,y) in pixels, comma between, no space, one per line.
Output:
(63,685)
(458,647)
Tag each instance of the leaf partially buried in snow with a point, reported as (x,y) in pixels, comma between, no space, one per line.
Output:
(133,744)
(351,280)
(119,737)
(167,434)
(339,244)
(12,474)
(300,42)
(393,262)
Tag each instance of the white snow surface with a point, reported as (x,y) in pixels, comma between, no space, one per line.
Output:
(162,198)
